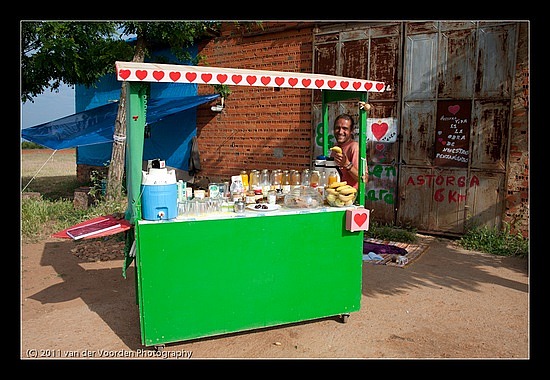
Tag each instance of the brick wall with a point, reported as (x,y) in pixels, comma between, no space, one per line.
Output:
(517,194)
(258,128)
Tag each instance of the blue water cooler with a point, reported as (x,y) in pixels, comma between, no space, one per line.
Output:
(159,194)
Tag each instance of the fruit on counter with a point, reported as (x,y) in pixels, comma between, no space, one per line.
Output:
(340,194)
(336,149)
(336,185)
(346,190)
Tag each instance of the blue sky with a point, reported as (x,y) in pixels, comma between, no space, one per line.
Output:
(47,107)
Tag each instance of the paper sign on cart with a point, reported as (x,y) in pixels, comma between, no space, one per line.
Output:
(357,219)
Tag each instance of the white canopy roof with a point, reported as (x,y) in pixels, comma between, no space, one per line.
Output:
(155,72)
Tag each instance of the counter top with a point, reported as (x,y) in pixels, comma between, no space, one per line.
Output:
(252,214)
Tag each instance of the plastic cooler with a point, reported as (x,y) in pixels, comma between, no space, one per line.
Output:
(159,194)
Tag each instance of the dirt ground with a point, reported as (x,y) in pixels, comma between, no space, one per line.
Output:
(449,303)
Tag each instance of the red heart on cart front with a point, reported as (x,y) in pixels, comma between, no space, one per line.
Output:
(359,219)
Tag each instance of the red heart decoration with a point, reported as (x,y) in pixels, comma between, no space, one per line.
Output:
(356,85)
(379,86)
(124,74)
(292,81)
(306,82)
(319,83)
(221,78)
(135,118)
(266,80)
(175,75)
(379,147)
(331,83)
(206,77)
(379,130)
(251,79)
(344,84)
(368,85)
(141,74)
(158,75)
(359,219)
(279,80)
(236,78)
(444,142)
(454,109)
(191,76)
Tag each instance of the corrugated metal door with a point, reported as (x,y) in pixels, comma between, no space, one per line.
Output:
(437,142)
(457,91)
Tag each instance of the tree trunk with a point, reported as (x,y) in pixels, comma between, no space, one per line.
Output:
(118,154)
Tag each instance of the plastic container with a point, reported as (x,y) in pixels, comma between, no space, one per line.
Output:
(159,194)
(305,197)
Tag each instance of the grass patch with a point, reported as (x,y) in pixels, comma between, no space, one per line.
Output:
(391,233)
(491,240)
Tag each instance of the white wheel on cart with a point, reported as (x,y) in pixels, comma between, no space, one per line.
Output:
(344,317)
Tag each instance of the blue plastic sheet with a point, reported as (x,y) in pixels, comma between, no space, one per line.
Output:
(172,123)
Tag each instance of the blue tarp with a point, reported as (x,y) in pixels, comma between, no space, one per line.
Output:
(171,121)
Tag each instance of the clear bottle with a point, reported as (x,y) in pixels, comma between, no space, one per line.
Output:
(244,176)
(254,180)
(276,179)
(314,179)
(306,178)
(295,179)
(286,182)
(265,182)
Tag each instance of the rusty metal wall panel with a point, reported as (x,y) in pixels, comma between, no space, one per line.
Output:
(496,61)
(433,199)
(414,199)
(418,126)
(384,64)
(485,202)
(458,59)
(420,67)
(490,131)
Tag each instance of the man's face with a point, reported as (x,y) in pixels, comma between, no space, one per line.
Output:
(342,131)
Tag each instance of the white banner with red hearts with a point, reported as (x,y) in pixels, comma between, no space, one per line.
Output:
(155,72)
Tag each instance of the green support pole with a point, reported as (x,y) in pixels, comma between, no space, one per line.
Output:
(362,150)
(326,127)
(135,129)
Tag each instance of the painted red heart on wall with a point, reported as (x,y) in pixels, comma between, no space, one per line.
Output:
(360,219)
(454,109)
(379,130)
(379,147)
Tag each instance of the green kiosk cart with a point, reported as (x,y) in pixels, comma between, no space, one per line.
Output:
(201,277)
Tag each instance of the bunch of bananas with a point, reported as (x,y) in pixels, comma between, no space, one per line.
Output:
(340,194)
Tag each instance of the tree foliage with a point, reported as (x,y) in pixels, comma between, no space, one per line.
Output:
(81,53)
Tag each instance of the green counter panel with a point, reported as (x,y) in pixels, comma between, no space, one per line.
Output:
(203,278)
